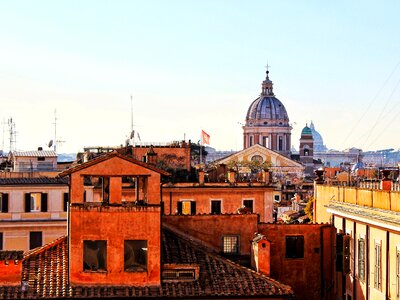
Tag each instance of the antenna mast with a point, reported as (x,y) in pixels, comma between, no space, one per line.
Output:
(55,130)
(13,135)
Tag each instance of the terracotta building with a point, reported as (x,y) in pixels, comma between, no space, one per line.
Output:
(117,246)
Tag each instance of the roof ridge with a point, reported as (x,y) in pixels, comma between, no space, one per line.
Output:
(43,248)
(106,156)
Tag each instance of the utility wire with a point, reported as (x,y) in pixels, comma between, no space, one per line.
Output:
(370,104)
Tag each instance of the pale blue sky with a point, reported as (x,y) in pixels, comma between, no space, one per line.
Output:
(193,65)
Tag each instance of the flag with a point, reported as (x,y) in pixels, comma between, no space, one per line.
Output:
(205,138)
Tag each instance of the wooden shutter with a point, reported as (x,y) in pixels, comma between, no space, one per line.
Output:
(179,207)
(193,207)
(27,202)
(43,202)
(4,203)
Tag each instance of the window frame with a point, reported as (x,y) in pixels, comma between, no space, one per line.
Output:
(226,247)
(101,254)
(361,259)
(180,207)
(292,253)
(220,206)
(252,204)
(378,266)
(142,267)
(39,235)
(4,203)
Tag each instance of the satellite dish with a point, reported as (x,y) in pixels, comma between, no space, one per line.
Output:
(132,134)
(50,143)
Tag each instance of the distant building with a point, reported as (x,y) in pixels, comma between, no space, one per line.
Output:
(34,161)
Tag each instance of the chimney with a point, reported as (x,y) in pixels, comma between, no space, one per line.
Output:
(266,176)
(40,148)
(151,156)
(261,254)
(386,182)
(231,176)
(201,176)
(11,268)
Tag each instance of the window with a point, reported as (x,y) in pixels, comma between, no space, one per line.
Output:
(250,141)
(248,204)
(230,244)
(378,267)
(266,141)
(65,201)
(295,246)
(361,259)
(35,239)
(277,198)
(41,158)
(306,152)
(398,274)
(35,202)
(186,207)
(95,256)
(3,202)
(280,144)
(215,207)
(135,256)
(1,241)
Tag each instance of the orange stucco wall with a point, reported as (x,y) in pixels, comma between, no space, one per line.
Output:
(310,271)
(11,274)
(231,199)
(211,228)
(116,167)
(115,224)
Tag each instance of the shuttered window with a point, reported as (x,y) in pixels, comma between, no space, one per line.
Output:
(36,202)
(378,267)
(361,259)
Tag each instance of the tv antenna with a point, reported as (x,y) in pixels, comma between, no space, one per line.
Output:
(13,135)
(55,142)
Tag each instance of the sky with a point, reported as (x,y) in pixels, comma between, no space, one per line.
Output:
(197,65)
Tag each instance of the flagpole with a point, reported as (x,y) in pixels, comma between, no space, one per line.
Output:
(201,146)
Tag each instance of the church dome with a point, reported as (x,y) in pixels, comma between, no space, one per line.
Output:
(267,110)
(318,141)
(307,131)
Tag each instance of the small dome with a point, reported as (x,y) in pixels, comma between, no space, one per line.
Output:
(306,131)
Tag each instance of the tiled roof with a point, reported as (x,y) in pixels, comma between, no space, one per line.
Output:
(41,153)
(45,271)
(33,181)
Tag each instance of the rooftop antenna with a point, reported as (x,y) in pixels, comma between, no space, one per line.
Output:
(13,135)
(55,141)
